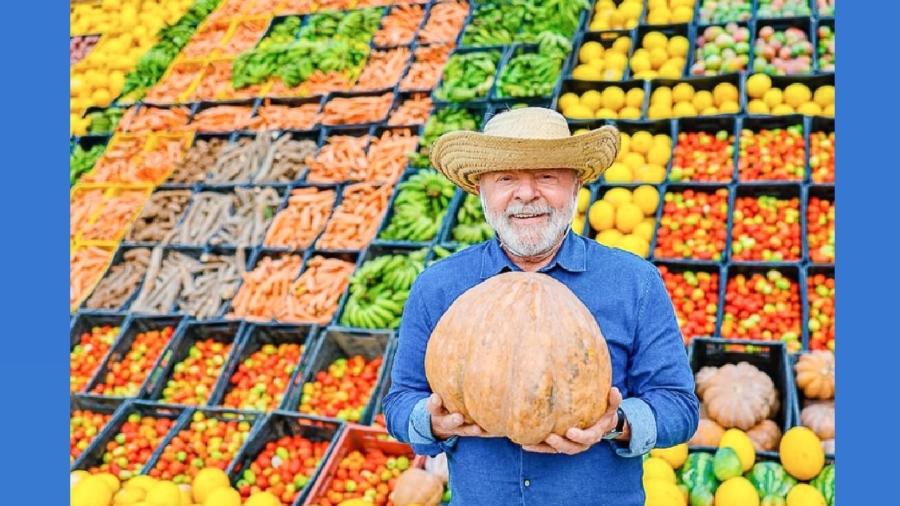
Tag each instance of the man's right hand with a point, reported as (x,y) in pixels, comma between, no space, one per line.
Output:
(445,424)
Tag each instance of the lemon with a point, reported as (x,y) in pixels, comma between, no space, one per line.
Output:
(682,92)
(729,107)
(829,110)
(601,215)
(641,141)
(262,499)
(630,113)
(609,238)
(622,44)
(645,229)
(658,56)
(758,85)
(662,95)
(91,491)
(737,491)
(567,100)
(624,145)
(671,70)
(129,495)
(631,10)
(824,95)
(206,481)
(803,494)
(659,154)
(613,98)
(650,173)
(143,482)
(810,109)
(656,468)
(618,196)
(684,109)
(578,112)
(662,140)
(592,99)
(605,113)
(646,197)
(773,97)
(628,215)
(682,14)
(101,97)
(598,64)
(662,493)
(640,61)
(110,480)
(584,199)
(658,17)
(797,93)
(164,493)
(703,99)
(757,106)
(678,46)
(675,455)
(590,50)
(737,440)
(780,109)
(76,476)
(634,98)
(581,131)
(634,159)
(801,453)
(223,496)
(619,173)
(578,224)
(725,92)
(616,60)
(636,244)
(587,73)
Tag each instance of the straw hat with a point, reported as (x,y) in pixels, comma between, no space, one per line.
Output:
(521,139)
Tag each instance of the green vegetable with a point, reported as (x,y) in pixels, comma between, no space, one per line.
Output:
(770,480)
(495,23)
(105,121)
(726,464)
(697,471)
(81,161)
(282,33)
(557,16)
(420,206)
(824,483)
(468,76)
(535,74)
(448,119)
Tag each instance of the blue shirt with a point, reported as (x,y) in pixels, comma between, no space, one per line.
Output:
(627,296)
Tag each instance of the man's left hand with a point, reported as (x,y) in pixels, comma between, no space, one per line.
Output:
(579,440)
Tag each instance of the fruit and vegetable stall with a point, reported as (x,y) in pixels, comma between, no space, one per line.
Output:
(251,200)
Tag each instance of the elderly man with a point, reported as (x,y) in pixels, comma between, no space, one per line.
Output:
(527,169)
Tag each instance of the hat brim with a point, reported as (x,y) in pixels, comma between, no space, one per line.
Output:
(463,156)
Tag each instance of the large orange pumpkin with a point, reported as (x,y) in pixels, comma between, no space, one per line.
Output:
(521,356)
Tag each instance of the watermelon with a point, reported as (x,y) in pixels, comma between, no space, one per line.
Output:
(726,464)
(824,483)
(702,496)
(771,500)
(697,471)
(771,481)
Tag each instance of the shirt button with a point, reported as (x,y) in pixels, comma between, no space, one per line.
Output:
(527,483)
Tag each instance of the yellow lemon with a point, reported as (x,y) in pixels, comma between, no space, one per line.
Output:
(615,60)
(757,106)
(581,131)
(663,140)
(624,145)
(640,61)
(656,468)
(578,224)
(682,92)
(621,45)
(737,440)
(773,97)
(602,215)
(590,50)
(662,493)
(110,480)
(780,109)
(801,453)
(675,455)
(641,141)
(636,244)
(630,113)
(619,173)
(101,97)
(829,110)
(654,39)
(645,229)
(613,98)
(164,493)
(584,199)
(76,476)
(729,107)
(658,56)
(223,496)
(725,92)
(684,109)
(658,17)
(671,70)
(678,46)
(129,495)
(803,494)
(206,481)
(92,491)
(824,95)
(567,100)
(143,482)
(810,109)
(634,98)
(609,238)
(599,64)
(659,111)
(661,95)
(605,113)
(702,99)
(634,159)
(758,85)
(587,73)
(682,14)
(737,491)
(592,99)
(797,93)
(617,196)
(646,197)
(631,10)
(263,499)
(628,215)
(659,154)
(578,112)
(650,173)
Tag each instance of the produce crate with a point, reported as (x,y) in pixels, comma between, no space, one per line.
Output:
(314,135)
(203,106)
(226,332)
(280,424)
(402,97)
(695,45)
(579,87)
(426,8)
(122,347)
(804,23)
(452,220)
(707,83)
(116,260)
(389,215)
(681,266)
(85,321)
(663,126)
(709,125)
(292,102)
(353,437)
(822,191)
(769,357)
(606,39)
(341,342)
(255,337)
(501,56)
(811,271)
(759,123)
(117,229)
(474,20)
(341,95)
(682,29)
(599,191)
(802,400)
(782,191)
(818,124)
(518,50)
(708,189)
(93,404)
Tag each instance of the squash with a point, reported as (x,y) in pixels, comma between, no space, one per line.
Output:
(828,446)
(765,436)
(417,486)
(824,483)
(771,481)
(740,395)
(815,374)
(819,417)
(708,434)
(801,453)
(521,356)
(697,472)
(702,378)
(805,495)
(726,464)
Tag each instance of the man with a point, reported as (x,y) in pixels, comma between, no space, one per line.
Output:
(527,169)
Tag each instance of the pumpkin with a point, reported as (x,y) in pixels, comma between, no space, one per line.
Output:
(697,472)
(824,483)
(828,446)
(703,377)
(771,481)
(801,453)
(521,356)
(417,486)
(765,436)
(815,374)
(708,434)
(819,417)
(740,395)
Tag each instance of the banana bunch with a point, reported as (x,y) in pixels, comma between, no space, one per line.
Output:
(471,228)
(378,290)
(419,208)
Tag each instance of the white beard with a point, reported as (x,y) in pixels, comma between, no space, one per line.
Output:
(530,240)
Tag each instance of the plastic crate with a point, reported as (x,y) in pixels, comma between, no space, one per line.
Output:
(280,424)
(292,102)
(401,98)
(497,95)
(801,398)
(813,125)
(123,307)
(579,87)
(84,322)
(782,191)
(760,123)
(606,38)
(169,184)
(681,266)
(94,404)
(725,254)
(822,191)
(811,271)
(672,30)
(706,83)
(425,6)
(709,125)
(478,112)
(804,23)
(452,219)
(770,358)
(314,136)
(356,94)
(501,56)
(340,342)
(389,215)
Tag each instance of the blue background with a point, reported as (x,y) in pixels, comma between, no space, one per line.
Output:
(34,356)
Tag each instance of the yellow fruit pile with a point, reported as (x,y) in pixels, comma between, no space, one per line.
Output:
(597,63)
(610,103)
(626,220)
(609,16)
(660,56)
(682,100)
(211,487)
(581,207)
(669,12)
(795,98)
(659,476)
(642,158)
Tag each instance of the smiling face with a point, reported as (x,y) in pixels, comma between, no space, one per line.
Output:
(530,210)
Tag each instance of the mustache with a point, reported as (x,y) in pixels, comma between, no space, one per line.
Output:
(528,209)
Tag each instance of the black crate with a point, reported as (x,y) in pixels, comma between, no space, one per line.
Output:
(816,124)
(782,191)
(84,322)
(710,125)
(725,254)
(94,404)
(825,192)
(439,94)
(681,266)
(117,259)
(811,271)
(579,87)
(757,124)
(606,39)
(694,58)
(706,83)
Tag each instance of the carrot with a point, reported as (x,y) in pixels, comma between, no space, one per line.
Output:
(82,206)
(156,164)
(245,36)
(427,68)
(262,294)
(117,214)
(179,79)
(319,83)
(154,119)
(357,110)
(355,222)
(314,297)
(383,69)
(445,22)
(216,84)
(222,118)
(389,154)
(227,9)
(399,27)
(298,225)
(342,158)
(85,268)
(295,7)
(413,111)
(206,40)
(260,7)
(285,117)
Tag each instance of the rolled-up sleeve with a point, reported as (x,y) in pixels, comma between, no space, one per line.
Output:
(659,372)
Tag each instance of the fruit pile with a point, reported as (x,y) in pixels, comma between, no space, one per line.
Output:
(820,229)
(763,307)
(695,295)
(130,449)
(343,390)
(670,12)
(83,428)
(610,102)
(625,219)
(642,158)
(419,208)
(703,156)
(722,50)
(772,154)
(206,442)
(724,11)
(86,356)
(682,100)
(786,52)
(609,16)
(125,374)
(471,227)
(825,7)
(766,228)
(283,468)
(261,379)
(363,474)
(820,294)
(379,288)
(599,63)
(783,8)
(694,224)
(660,56)
(821,156)
(825,48)
(794,98)
(193,378)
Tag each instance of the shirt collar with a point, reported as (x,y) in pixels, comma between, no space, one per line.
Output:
(571,257)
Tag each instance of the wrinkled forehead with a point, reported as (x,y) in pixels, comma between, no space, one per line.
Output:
(564,174)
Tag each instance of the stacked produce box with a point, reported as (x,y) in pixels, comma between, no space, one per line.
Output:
(252,199)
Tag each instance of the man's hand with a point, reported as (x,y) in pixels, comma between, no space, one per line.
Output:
(579,440)
(445,424)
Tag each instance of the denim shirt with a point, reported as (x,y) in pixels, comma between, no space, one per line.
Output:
(627,297)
